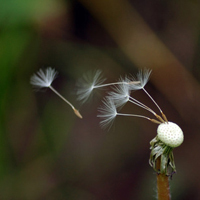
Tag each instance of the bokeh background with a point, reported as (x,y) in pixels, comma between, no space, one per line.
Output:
(46,152)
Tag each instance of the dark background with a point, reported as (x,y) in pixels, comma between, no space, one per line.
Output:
(46,152)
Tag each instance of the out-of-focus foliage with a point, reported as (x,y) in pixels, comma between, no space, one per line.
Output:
(48,153)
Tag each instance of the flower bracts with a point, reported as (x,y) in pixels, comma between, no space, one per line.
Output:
(160,149)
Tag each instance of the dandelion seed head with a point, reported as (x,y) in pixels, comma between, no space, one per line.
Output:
(171,134)
(43,78)
(108,113)
(87,84)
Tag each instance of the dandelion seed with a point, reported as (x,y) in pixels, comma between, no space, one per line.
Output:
(91,81)
(120,95)
(109,112)
(87,84)
(44,79)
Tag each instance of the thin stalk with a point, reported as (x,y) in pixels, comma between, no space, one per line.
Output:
(140,116)
(153,101)
(132,115)
(163,190)
(163,115)
(115,83)
(77,113)
(63,98)
(138,103)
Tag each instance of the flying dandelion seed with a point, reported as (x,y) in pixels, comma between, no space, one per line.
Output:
(42,79)
(109,112)
(87,84)
(94,80)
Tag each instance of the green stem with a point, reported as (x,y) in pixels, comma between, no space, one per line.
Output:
(163,190)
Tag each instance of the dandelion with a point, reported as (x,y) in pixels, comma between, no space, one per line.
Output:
(169,135)
(43,79)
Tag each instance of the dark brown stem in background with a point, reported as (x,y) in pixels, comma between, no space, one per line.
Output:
(163,190)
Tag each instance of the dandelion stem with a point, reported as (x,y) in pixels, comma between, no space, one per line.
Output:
(163,190)
(65,100)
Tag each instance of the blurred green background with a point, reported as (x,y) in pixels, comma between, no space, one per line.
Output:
(46,152)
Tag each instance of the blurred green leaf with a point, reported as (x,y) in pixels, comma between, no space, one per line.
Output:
(15,12)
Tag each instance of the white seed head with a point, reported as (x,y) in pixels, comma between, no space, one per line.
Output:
(170,134)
